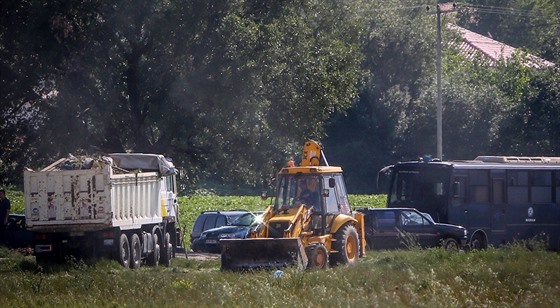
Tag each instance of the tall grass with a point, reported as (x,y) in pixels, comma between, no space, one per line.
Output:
(511,276)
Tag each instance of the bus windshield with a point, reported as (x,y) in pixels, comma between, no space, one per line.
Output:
(419,187)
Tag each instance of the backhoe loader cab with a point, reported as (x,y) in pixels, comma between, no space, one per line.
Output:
(309,225)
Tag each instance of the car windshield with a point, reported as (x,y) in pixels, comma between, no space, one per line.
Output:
(429,217)
(244,220)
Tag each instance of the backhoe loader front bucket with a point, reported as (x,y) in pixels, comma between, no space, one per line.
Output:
(262,253)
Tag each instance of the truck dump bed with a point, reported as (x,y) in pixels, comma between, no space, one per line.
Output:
(63,197)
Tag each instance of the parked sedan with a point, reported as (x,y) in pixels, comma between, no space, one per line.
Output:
(210,239)
(209,220)
(394,228)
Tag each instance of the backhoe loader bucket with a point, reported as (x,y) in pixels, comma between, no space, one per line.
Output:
(262,253)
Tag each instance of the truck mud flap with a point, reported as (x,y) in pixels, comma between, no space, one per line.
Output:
(262,253)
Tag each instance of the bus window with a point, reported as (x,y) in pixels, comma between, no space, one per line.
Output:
(498,191)
(557,186)
(518,187)
(459,190)
(479,186)
(541,188)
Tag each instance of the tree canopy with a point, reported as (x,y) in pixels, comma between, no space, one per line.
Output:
(231,89)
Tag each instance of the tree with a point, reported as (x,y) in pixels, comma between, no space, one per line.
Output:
(532,126)
(398,47)
(227,88)
(35,39)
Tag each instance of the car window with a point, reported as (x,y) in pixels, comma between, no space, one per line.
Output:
(210,222)
(199,224)
(244,220)
(385,219)
(220,221)
(411,218)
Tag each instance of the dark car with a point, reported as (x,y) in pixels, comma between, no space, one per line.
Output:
(394,228)
(210,239)
(211,219)
(17,236)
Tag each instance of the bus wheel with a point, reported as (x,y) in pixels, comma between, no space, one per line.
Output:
(451,244)
(478,242)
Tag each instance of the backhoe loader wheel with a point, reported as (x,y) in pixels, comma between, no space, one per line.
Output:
(346,245)
(318,256)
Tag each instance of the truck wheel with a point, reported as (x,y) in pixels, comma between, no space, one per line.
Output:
(318,257)
(451,244)
(153,257)
(478,242)
(136,251)
(124,251)
(166,251)
(42,259)
(347,245)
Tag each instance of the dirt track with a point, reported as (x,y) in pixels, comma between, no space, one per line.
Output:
(199,256)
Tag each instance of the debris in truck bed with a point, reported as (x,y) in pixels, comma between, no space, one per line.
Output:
(120,162)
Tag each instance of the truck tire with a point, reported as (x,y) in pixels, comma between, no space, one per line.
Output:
(43,259)
(478,242)
(347,246)
(318,256)
(123,255)
(153,257)
(166,251)
(135,251)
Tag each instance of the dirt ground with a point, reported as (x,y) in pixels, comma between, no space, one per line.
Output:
(198,256)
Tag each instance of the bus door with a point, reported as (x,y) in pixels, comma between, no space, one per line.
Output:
(458,211)
(499,208)
(479,209)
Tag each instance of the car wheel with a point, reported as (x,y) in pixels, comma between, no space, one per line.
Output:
(135,251)
(318,256)
(124,251)
(347,245)
(451,244)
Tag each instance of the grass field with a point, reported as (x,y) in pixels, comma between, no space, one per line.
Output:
(507,277)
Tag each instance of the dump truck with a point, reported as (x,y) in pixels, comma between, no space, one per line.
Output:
(310,224)
(121,206)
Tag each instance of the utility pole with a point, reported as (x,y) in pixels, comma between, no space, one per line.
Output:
(440,8)
(439,106)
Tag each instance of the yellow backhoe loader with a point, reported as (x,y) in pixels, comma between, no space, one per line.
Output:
(310,224)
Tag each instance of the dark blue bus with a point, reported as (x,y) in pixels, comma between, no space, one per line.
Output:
(499,199)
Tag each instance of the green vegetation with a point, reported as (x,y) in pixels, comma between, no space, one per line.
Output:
(16,201)
(231,89)
(513,276)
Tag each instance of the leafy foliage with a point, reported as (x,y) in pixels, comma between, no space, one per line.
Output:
(231,89)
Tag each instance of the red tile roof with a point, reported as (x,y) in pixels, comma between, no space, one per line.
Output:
(474,45)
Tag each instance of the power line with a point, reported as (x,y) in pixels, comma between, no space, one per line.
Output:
(504,10)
